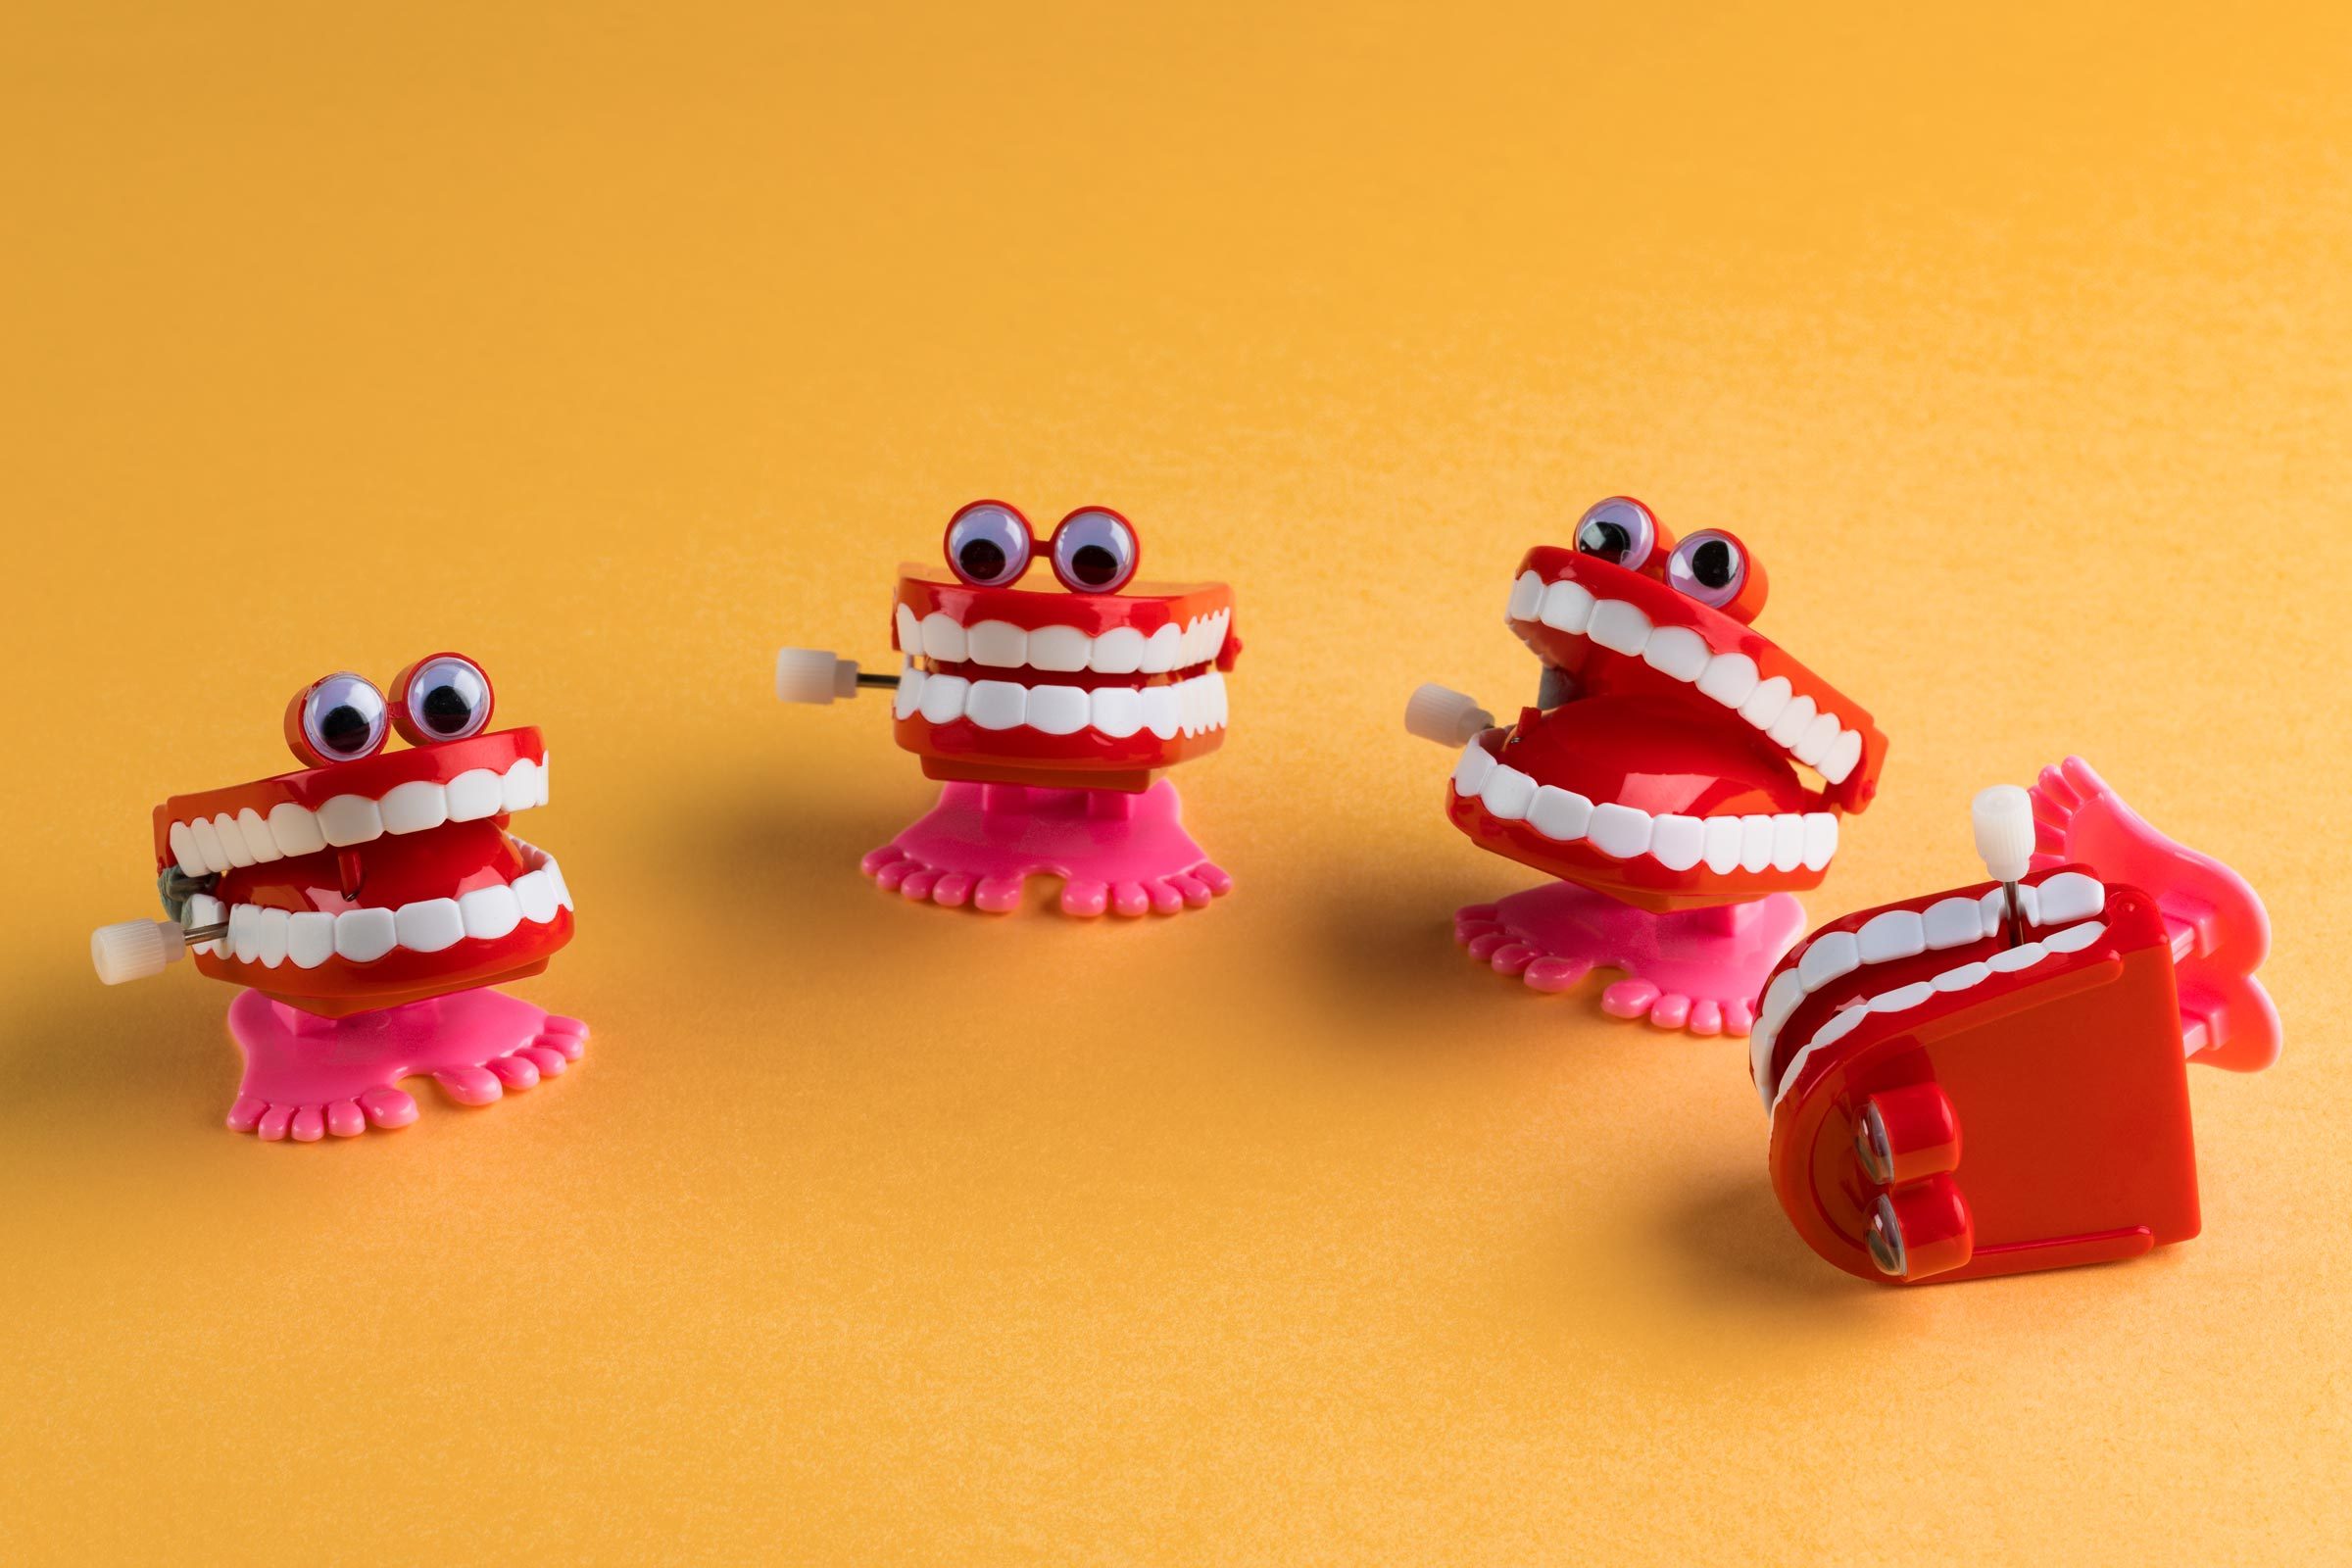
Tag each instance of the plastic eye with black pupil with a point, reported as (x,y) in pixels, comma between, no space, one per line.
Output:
(343,718)
(988,544)
(1619,530)
(447,699)
(1708,566)
(1095,551)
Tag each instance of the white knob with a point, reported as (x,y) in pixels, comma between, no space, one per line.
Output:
(1442,715)
(814,675)
(2003,817)
(133,950)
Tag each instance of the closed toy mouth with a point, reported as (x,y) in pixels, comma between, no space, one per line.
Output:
(365,884)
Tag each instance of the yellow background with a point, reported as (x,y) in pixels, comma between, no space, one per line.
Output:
(617,345)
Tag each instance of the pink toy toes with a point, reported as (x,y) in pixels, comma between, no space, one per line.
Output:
(309,1123)
(1085,900)
(470,1086)
(388,1109)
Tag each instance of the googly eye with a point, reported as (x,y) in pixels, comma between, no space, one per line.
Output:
(1619,530)
(444,697)
(1716,569)
(339,719)
(1095,551)
(988,544)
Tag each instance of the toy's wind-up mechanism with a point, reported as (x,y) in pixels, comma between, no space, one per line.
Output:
(367,902)
(1045,713)
(1993,1080)
(1680,774)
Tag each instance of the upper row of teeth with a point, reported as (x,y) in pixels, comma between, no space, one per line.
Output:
(2006,961)
(1190,707)
(1896,934)
(202,846)
(1725,844)
(307,938)
(1120,651)
(1795,724)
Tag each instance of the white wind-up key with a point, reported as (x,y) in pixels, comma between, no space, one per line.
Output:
(1442,715)
(2003,819)
(815,676)
(133,950)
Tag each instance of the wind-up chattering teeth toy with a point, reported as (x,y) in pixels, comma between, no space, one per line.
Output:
(1993,1080)
(1045,712)
(1656,776)
(367,902)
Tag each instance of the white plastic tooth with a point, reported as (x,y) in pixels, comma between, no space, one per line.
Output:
(1755,843)
(1830,956)
(1678,841)
(1161,650)
(546,760)
(1814,744)
(1163,713)
(1837,763)
(1527,596)
(1622,831)
(999,642)
(351,820)
(1835,1028)
(1793,720)
(1729,678)
(242,919)
(1059,648)
(2029,904)
(429,924)
(1561,815)
(1962,978)
(997,703)
(1993,907)
(943,698)
(1953,923)
(1892,934)
(1780,998)
(1723,845)
(473,795)
(413,807)
(1619,627)
(1117,652)
(364,936)
(1676,650)
(1765,702)
(1821,840)
(296,829)
(310,939)
(254,828)
(536,896)
(1220,703)
(184,853)
(2068,897)
(1509,794)
(1188,708)
(943,637)
(1470,774)
(2008,960)
(1902,999)
(208,844)
(489,912)
(1567,607)
(1116,710)
(909,695)
(204,909)
(1788,842)
(1188,649)
(518,789)
(1058,710)
(231,839)
(555,879)
(2075,938)
(269,938)
(911,631)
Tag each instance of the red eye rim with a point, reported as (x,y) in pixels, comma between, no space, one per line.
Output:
(1135,552)
(415,732)
(1746,601)
(297,727)
(947,544)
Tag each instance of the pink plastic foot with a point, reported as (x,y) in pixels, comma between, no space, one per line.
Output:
(307,1077)
(2220,929)
(1694,969)
(1117,853)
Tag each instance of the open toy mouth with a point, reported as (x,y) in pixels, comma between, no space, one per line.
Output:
(1095,690)
(1662,765)
(365,884)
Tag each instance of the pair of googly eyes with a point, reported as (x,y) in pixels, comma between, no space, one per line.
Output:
(343,718)
(1710,566)
(1094,550)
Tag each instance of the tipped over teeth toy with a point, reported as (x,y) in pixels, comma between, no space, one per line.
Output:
(1656,776)
(367,902)
(1995,1080)
(1045,712)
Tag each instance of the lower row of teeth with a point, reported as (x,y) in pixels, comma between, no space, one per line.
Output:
(307,939)
(1180,708)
